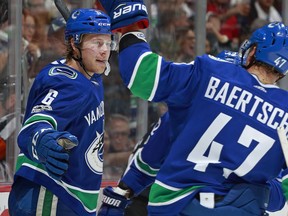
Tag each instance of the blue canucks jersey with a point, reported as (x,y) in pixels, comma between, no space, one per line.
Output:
(223,124)
(63,99)
(150,153)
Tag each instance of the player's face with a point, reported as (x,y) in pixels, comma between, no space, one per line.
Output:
(95,52)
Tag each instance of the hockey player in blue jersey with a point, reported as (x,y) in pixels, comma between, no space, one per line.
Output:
(224,118)
(59,168)
(143,167)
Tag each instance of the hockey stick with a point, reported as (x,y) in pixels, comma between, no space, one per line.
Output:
(62,7)
(284,143)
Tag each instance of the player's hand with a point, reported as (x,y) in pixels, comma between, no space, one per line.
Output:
(50,148)
(113,204)
(125,13)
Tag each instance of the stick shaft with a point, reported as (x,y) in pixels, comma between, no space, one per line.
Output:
(62,7)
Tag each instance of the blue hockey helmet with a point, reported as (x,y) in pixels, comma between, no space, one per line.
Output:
(87,21)
(271,43)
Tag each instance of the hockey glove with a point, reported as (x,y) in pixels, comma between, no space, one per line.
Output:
(124,13)
(113,203)
(50,148)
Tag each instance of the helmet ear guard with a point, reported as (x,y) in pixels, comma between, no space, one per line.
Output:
(271,43)
(244,51)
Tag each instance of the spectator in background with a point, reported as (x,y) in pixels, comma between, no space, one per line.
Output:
(7,124)
(188,7)
(216,39)
(43,19)
(3,49)
(265,10)
(181,19)
(56,45)
(56,36)
(119,132)
(257,23)
(37,6)
(32,51)
(228,16)
(167,16)
(164,39)
(121,145)
(261,13)
(186,42)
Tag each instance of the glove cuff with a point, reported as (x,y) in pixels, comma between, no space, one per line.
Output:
(114,199)
(121,191)
(131,38)
(35,142)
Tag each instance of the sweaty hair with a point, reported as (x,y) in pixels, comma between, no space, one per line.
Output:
(268,68)
(69,50)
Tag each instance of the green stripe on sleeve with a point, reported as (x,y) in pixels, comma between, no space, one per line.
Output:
(141,165)
(41,117)
(146,75)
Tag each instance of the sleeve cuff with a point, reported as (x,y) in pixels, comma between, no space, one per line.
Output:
(131,38)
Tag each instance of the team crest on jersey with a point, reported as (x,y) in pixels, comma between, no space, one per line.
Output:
(66,71)
(94,154)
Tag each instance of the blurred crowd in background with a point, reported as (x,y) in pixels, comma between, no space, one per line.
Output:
(172,25)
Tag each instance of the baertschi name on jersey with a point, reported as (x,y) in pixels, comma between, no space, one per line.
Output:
(246,102)
(94,115)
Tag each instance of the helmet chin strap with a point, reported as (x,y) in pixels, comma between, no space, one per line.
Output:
(79,60)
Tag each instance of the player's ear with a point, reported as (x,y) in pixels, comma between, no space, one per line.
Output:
(72,43)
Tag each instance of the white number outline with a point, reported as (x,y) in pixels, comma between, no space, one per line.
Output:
(280,61)
(207,145)
(50,97)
